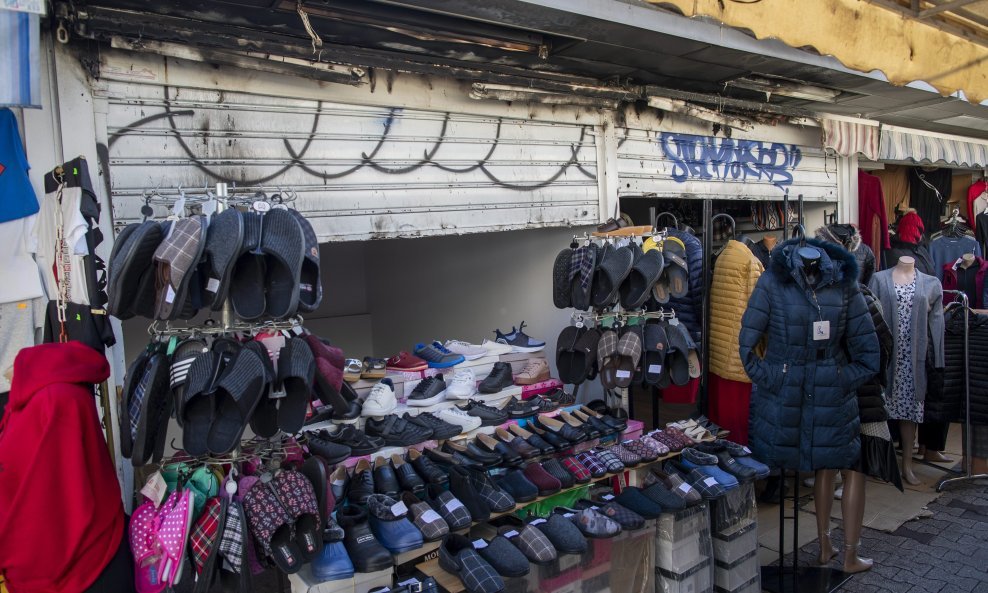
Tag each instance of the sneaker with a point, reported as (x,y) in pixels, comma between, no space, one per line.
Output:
(463,385)
(441,430)
(436,355)
(495,348)
(517,408)
(544,405)
(489,415)
(404,362)
(519,340)
(381,401)
(428,392)
(536,371)
(561,397)
(396,431)
(468,350)
(457,416)
(499,378)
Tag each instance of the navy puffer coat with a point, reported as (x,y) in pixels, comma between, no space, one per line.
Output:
(804,413)
(689,309)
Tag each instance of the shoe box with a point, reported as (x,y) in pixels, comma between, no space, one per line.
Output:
(682,541)
(729,548)
(698,579)
(738,575)
(734,511)
(305,582)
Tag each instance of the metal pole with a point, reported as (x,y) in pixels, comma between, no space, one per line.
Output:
(221,195)
(708,245)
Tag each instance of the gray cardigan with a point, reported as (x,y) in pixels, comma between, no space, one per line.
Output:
(927,318)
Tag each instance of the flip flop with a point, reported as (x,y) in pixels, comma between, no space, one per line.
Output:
(264,420)
(296,374)
(373,368)
(176,262)
(236,396)
(247,278)
(197,403)
(352,370)
(310,282)
(224,243)
(185,353)
(283,246)
(674,253)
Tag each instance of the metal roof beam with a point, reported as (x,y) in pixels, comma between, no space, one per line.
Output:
(946,6)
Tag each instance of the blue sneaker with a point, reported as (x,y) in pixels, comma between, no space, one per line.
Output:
(390,524)
(519,340)
(438,358)
(706,464)
(333,563)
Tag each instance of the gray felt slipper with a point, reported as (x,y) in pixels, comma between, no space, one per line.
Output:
(637,287)
(310,282)
(224,242)
(131,262)
(283,245)
(246,290)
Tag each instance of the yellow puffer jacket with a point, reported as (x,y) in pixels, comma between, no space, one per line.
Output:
(735,274)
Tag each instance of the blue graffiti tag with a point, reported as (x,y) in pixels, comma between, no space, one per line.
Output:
(706,158)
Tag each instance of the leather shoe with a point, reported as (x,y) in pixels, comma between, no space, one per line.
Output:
(385,480)
(362,483)
(425,468)
(496,447)
(474,452)
(408,479)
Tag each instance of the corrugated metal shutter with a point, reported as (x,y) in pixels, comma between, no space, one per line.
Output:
(685,165)
(360,172)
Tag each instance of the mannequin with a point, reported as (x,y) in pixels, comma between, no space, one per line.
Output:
(770,241)
(967,260)
(904,273)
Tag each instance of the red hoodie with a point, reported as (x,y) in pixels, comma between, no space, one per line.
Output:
(61,515)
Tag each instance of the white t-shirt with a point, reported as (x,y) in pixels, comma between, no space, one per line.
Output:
(74,228)
(19,277)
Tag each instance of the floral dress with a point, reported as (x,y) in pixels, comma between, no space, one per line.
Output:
(902,404)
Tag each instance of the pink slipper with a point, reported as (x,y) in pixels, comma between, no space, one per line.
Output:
(173,533)
(148,554)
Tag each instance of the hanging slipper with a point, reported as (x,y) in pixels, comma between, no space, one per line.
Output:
(678,357)
(236,396)
(310,282)
(152,404)
(585,355)
(352,370)
(174,521)
(561,287)
(176,261)
(583,263)
(638,378)
(246,290)
(656,345)
(373,368)
(224,243)
(692,352)
(614,267)
(282,243)
(629,351)
(178,375)
(298,496)
(264,420)
(146,549)
(131,261)
(645,271)
(607,362)
(197,404)
(329,385)
(565,350)
(204,541)
(134,377)
(296,373)
(271,526)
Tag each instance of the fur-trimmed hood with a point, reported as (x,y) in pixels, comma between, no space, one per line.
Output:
(837,264)
(842,234)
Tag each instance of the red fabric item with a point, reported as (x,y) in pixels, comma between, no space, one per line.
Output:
(910,228)
(976,189)
(728,408)
(681,394)
(61,515)
(872,220)
(950,282)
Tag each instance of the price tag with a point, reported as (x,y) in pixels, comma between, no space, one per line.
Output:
(213,285)
(746,450)
(621,374)
(398,509)
(478,544)
(821,330)
(607,497)
(453,505)
(710,482)
(155,488)
(567,515)
(655,369)
(685,487)
(411,581)
(261,206)
(170,295)
(510,534)
(537,522)
(430,516)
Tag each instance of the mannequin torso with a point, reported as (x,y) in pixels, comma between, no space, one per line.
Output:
(904,272)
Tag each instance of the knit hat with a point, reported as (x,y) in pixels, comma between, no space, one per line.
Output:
(910,228)
(845,235)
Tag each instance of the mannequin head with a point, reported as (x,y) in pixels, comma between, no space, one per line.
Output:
(770,241)
(967,260)
(906,263)
(810,256)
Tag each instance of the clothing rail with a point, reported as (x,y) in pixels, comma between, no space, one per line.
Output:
(291,324)
(968,444)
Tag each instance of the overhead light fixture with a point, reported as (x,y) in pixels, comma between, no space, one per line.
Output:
(786,88)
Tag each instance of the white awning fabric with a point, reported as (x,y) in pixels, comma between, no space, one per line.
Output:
(902,144)
(849,138)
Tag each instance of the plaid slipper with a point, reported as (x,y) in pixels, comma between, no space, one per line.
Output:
(626,518)
(206,535)
(452,511)
(457,556)
(610,460)
(639,448)
(581,475)
(232,542)
(593,464)
(658,448)
(628,457)
(428,521)
(532,543)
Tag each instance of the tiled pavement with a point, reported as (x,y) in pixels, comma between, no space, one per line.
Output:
(946,553)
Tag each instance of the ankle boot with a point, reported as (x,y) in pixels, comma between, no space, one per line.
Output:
(367,554)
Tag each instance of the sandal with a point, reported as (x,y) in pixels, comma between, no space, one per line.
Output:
(352,370)
(373,368)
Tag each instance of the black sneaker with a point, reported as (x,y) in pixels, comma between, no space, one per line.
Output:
(396,431)
(517,408)
(428,392)
(489,415)
(561,397)
(331,452)
(543,404)
(356,439)
(441,430)
(499,379)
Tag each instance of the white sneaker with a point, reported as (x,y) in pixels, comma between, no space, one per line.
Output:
(463,385)
(381,401)
(468,350)
(455,415)
(496,348)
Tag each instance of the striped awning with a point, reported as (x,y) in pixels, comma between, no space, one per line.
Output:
(900,144)
(20,59)
(849,138)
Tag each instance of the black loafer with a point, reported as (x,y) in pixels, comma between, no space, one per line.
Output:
(426,469)
(485,458)
(408,478)
(385,479)
(508,455)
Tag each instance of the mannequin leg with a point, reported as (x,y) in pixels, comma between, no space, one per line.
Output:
(823,501)
(852,507)
(907,431)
